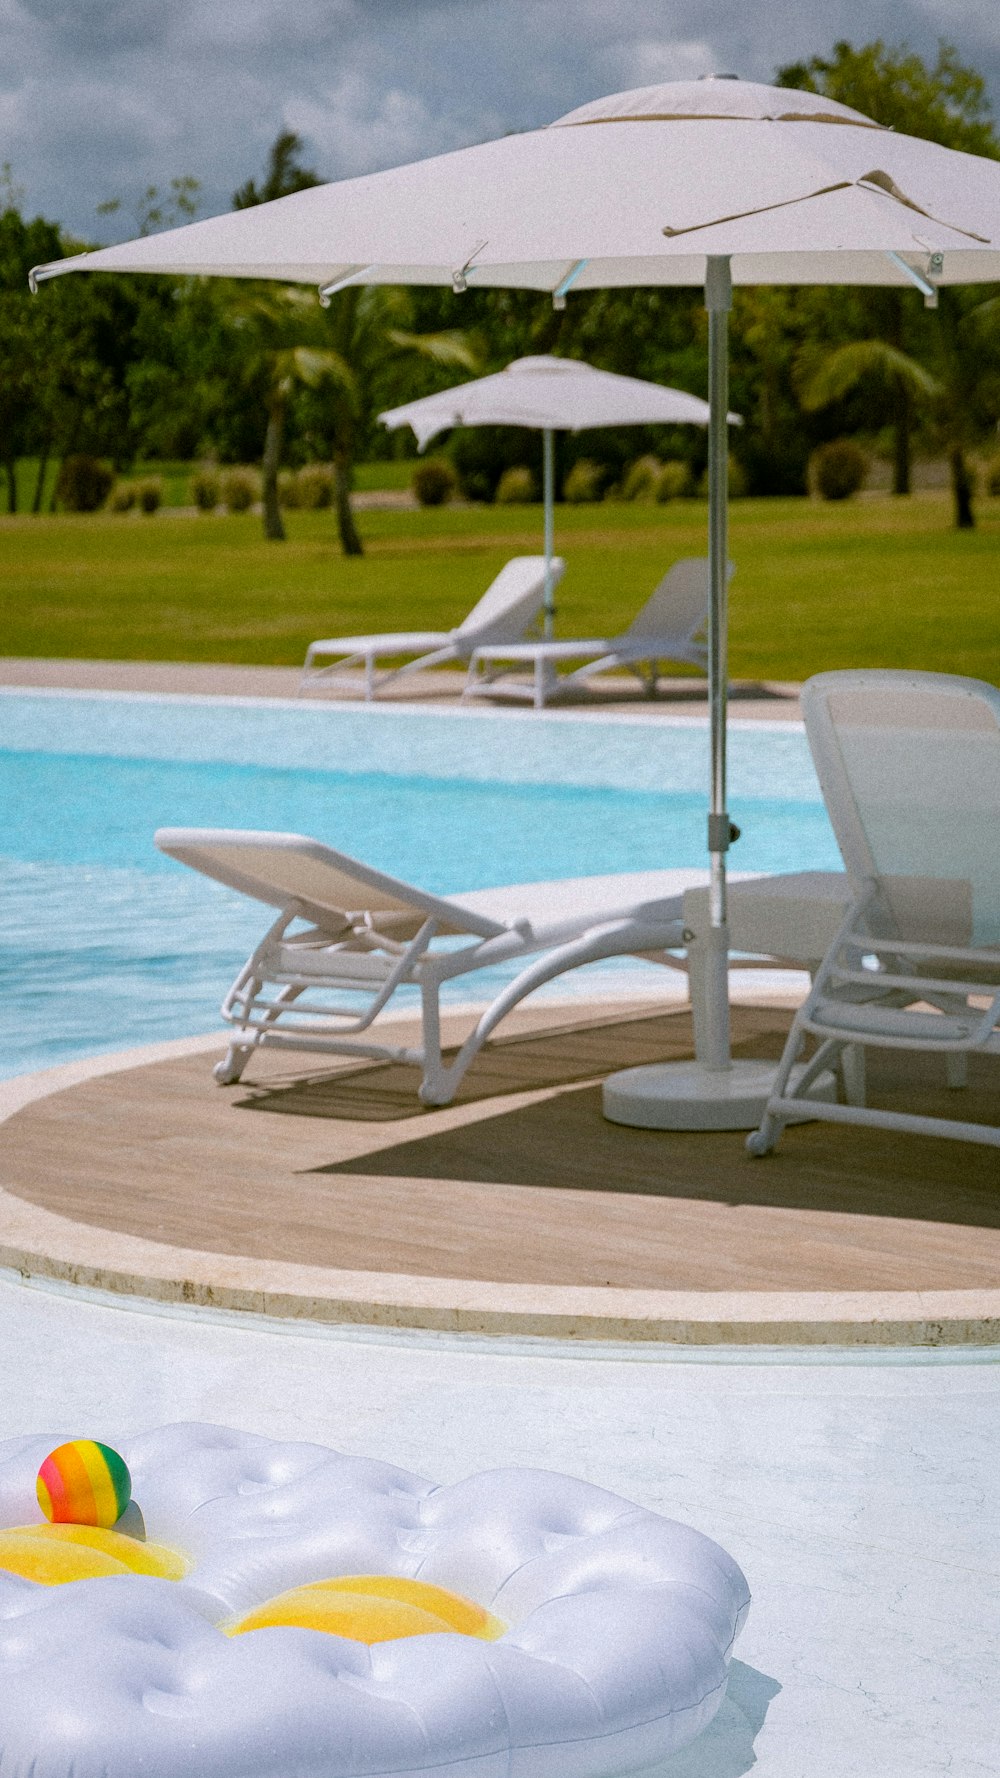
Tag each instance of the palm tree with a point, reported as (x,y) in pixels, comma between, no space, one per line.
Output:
(948,395)
(371,332)
(342,356)
(269,321)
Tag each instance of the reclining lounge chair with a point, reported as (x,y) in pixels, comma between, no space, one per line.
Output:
(909,765)
(668,628)
(367,933)
(506,610)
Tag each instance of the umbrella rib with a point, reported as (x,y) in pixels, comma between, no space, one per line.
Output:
(927,290)
(358,275)
(462,273)
(567,283)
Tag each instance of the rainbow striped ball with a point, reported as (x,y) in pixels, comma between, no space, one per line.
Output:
(84,1483)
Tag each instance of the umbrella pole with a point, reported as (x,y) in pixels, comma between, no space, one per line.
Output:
(549,497)
(714,1046)
(710,1093)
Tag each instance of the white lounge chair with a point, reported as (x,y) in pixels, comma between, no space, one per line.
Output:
(909,765)
(509,606)
(668,628)
(367,933)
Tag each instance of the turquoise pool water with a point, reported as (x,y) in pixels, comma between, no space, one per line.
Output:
(104,943)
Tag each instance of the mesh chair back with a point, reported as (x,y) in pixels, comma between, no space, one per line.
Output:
(909,765)
(329,886)
(679,606)
(510,603)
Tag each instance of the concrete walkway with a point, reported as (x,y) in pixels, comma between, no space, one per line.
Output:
(860,1496)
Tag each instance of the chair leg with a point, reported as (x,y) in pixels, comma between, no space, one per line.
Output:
(761,1141)
(435,1087)
(957,1068)
(852,1073)
(230,1069)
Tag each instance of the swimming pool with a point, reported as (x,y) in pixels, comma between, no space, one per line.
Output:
(104,943)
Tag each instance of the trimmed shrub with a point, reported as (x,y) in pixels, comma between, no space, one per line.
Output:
(122,497)
(838,469)
(584,482)
(516,487)
(736,479)
(673,482)
(240,488)
(480,454)
(84,483)
(149,493)
(206,489)
(993,476)
(641,478)
(288,489)
(777,466)
(433,482)
(314,485)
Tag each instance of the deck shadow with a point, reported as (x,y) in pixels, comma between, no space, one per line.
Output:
(386,1092)
(564,1144)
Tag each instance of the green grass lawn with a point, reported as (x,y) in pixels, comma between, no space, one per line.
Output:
(875,582)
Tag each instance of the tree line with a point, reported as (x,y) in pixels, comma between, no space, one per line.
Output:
(134,369)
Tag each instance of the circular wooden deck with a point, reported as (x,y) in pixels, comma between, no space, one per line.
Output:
(325,1189)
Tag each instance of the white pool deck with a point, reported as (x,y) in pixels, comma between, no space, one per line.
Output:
(861,1496)
(860,1492)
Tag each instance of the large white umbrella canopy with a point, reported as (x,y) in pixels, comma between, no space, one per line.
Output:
(643,187)
(549,395)
(708,183)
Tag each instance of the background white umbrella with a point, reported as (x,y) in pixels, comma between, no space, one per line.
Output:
(549,395)
(707,183)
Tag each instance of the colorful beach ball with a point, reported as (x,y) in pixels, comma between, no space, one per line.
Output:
(84,1483)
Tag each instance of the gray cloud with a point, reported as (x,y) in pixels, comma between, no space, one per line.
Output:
(100,98)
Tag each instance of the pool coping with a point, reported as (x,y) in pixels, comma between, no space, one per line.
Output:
(38,1243)
(682,701)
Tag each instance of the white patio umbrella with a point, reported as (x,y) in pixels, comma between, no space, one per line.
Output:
(549,395)
(689,183)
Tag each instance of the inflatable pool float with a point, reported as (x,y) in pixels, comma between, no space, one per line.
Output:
(279,1610)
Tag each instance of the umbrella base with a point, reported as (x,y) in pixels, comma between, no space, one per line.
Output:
(687,1096)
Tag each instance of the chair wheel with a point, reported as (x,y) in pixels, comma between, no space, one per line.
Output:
(227,1073)
(432,1099)
(758,1145)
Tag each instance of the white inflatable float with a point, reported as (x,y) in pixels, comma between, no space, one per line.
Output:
(595,1639)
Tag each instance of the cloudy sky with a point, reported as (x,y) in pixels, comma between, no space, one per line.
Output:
(102,98)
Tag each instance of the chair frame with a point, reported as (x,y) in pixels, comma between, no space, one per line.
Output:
(868,984)
(641,652)
(432,648)
(371,954)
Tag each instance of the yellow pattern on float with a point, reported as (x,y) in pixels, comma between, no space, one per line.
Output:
(372,1608)
(53,1555)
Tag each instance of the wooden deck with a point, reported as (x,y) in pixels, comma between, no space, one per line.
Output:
(522,1181)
